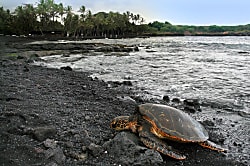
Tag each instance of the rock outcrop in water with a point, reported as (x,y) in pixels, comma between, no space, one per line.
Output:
(66,48)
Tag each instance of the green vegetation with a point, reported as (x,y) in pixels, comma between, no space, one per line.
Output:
(159,28)
(47,17)
(12,54)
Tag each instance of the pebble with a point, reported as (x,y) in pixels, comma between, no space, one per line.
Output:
(127,99)
(69,144)
(66,68)
(42,133)
(95,149)
(166,98)
(84,148)
(176,100)
(87,117)
(56,154)
(82,156)
(52,164)
(50,143)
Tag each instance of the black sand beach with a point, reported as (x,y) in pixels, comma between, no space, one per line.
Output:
(61,117)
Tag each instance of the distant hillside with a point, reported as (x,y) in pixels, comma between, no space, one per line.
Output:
(159,28)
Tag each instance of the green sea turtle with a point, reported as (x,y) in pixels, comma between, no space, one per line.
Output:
(155,122)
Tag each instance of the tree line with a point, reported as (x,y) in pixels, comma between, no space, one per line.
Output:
(160,28)
(50,17)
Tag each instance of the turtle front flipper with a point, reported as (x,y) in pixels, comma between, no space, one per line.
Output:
(210,145)
(161,147)
(152,142)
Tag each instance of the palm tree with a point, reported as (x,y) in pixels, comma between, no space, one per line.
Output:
(136,18)
(89,24)
(68,10)
(30,15)
(80,27)
(25,19)
(132,17)
(82,10)
(68,20)
(142,20)
(41,11)
(54,11)
(61,11)
(100,23)
(6,22)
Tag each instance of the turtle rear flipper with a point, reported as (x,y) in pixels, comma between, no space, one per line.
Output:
(152,142)
(210,145)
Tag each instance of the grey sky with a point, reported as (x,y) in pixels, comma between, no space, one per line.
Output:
(192,12)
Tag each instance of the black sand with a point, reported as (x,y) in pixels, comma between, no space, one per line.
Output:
(61,117)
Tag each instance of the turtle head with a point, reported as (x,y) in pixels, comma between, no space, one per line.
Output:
(120,123)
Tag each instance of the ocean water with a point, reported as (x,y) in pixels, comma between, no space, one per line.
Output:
(215,70)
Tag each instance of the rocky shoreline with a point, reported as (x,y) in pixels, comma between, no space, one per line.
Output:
(26,48)
(61,117)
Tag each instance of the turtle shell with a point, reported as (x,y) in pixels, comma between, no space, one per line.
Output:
(173,123)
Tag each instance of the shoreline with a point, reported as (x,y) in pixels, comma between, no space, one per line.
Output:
(145,35)
(61,117)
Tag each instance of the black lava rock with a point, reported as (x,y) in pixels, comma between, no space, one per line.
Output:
(66,68)
(126,149)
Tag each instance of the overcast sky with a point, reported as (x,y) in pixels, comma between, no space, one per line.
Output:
(188,12)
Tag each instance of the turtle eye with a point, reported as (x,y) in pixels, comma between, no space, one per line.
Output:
(113,125)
